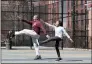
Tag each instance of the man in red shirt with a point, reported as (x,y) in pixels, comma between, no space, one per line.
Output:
(34,33)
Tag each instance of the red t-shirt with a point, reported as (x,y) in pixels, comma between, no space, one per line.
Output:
(36,26)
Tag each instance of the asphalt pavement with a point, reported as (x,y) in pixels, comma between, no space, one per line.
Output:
(23,54)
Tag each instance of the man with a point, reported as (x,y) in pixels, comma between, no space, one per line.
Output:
(59,31)
(34,33)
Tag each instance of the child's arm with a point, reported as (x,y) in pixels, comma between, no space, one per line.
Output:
(64,31)
(51,26)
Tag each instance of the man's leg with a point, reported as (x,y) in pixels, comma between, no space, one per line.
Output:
(28,32)
(36,46)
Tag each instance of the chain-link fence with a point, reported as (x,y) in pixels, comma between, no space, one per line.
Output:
(49,11)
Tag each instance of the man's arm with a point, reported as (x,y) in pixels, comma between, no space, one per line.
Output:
(43,29)
(24,20)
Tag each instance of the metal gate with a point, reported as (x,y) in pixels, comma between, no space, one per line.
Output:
(50,11)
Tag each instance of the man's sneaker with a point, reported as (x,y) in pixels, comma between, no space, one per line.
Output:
(37,57)
(58,59)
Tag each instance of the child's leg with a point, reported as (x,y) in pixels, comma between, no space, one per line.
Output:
(57,48)
(50,39)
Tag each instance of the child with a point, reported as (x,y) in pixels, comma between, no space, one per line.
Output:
(59,31)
